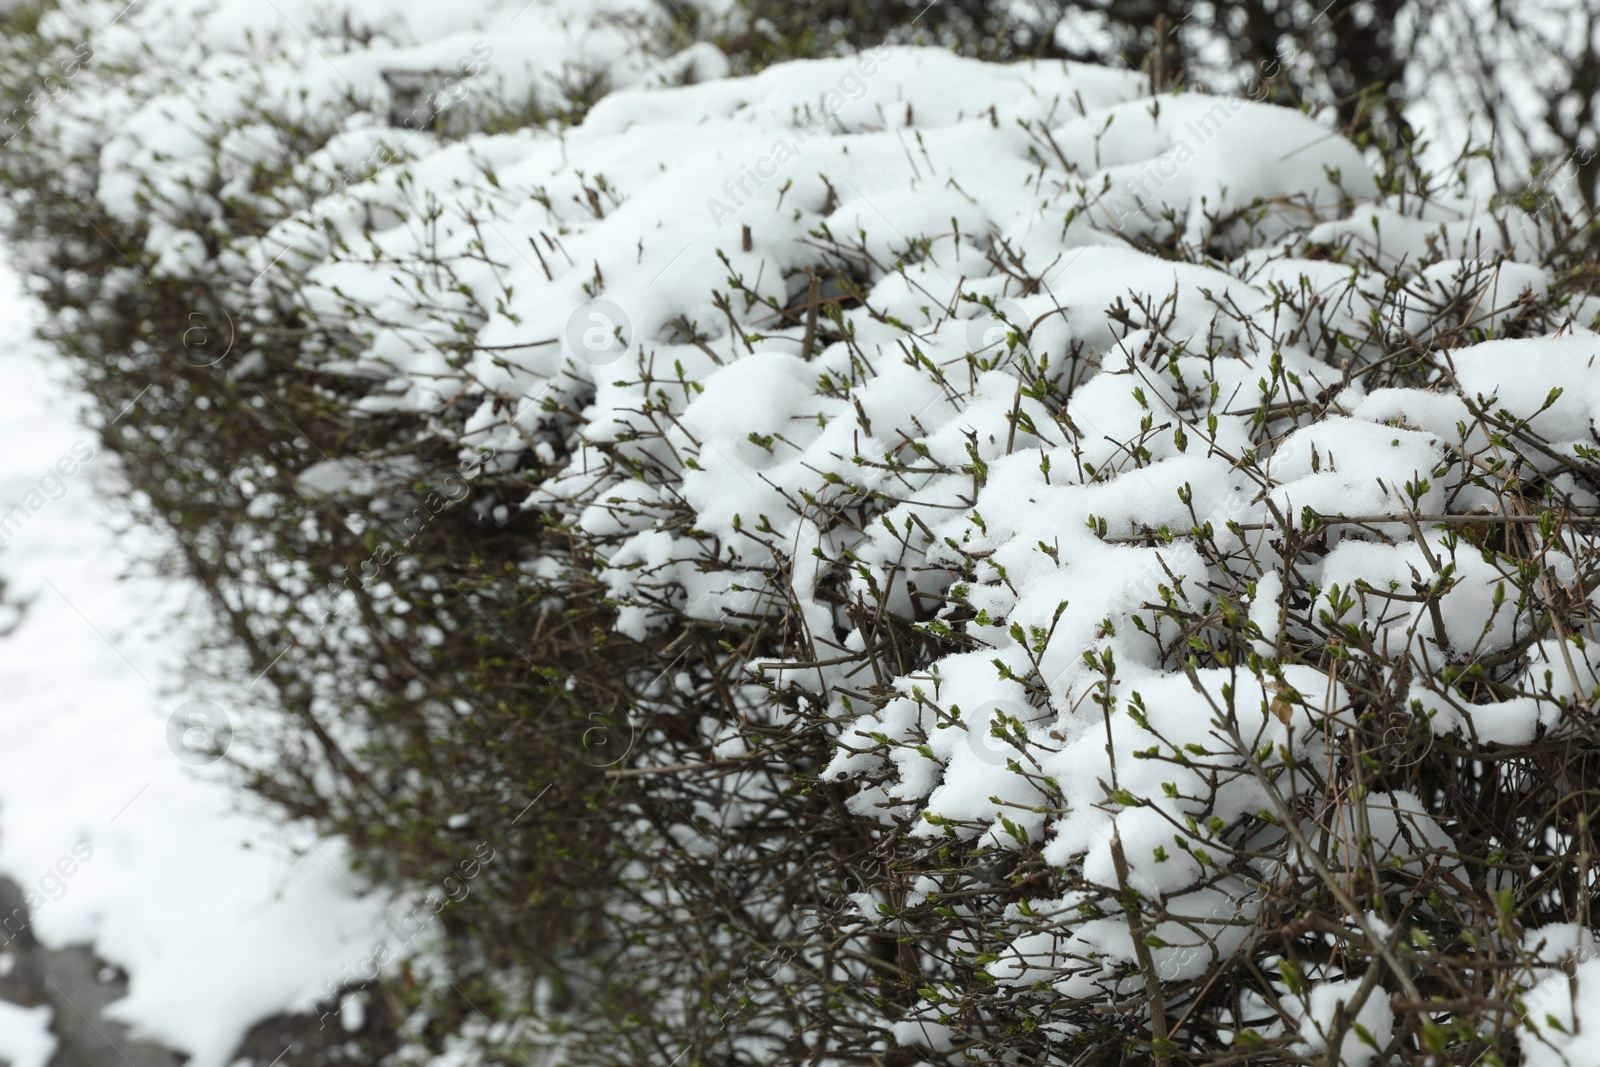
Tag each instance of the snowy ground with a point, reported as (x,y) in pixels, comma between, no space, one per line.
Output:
(220,917)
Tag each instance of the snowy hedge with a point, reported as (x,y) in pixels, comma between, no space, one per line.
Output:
(1089,576)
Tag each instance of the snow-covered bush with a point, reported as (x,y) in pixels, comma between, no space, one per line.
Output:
(999,565)
(1522,79)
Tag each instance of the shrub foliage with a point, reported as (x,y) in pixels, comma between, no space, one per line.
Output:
(1031,587)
